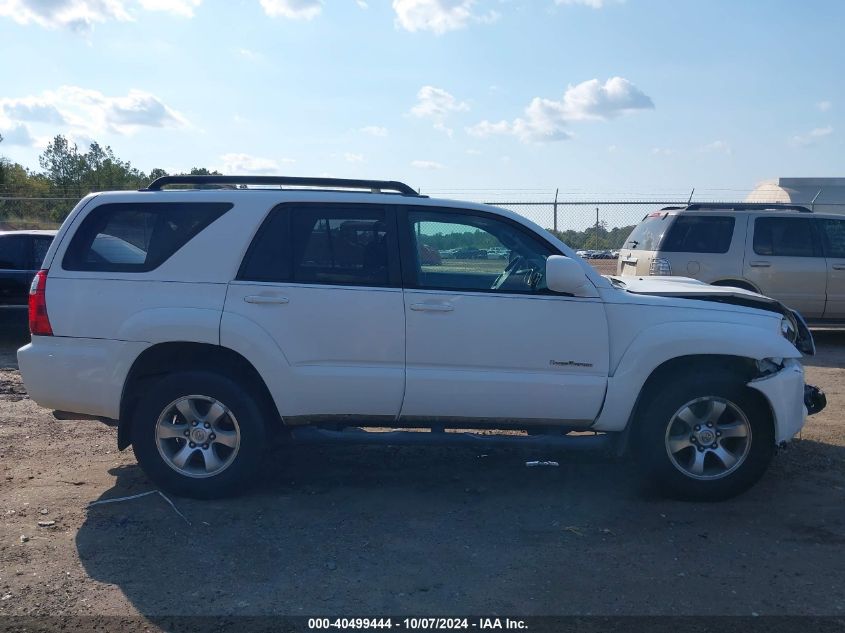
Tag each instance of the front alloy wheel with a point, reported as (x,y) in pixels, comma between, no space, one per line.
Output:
(702,438)
(708,438)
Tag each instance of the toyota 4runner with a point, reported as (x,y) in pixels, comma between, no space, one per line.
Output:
(208,320)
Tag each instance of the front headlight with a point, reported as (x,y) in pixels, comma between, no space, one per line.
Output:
(789,329)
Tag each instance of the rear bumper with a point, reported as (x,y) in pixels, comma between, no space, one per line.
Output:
(77,374)
(785,393)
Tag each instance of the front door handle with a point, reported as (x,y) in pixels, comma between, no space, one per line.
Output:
(839,267)
(266,300)
(432,307)
(759,264)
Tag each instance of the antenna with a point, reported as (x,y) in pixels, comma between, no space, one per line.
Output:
(690,196)
(813,203)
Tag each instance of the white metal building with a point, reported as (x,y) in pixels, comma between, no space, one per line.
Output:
(820,194)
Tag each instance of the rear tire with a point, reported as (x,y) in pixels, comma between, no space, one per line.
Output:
(199,434)
(705,439)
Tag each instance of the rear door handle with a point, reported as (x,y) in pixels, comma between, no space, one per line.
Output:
(432,307)
(839,267)
(759,264)
(266,300)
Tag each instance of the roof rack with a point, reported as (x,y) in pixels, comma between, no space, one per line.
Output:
(337,183)
(743,206)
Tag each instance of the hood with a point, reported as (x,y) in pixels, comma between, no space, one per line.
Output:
(686,288)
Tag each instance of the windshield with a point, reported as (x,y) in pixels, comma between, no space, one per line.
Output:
(649,232)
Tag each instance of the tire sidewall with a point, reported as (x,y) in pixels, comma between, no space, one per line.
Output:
(242,404)
(656,415)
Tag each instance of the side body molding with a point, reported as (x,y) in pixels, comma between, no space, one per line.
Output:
(663,342)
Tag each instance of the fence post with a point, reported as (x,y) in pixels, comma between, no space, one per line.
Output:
(555,210)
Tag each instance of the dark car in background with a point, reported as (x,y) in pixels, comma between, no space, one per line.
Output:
(21,254)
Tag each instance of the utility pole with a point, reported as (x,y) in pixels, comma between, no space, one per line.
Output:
(555,210)
(597,228)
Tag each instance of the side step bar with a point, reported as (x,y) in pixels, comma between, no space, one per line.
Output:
(314,435)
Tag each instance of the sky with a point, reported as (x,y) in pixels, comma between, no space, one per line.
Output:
(608,97)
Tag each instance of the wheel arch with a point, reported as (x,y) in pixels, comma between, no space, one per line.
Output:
(736,283)
(170,357)
(744,368)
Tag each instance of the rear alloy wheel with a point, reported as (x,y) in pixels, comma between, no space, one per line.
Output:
(705,439)
(198,434)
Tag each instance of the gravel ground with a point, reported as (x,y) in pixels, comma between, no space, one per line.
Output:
(364,531)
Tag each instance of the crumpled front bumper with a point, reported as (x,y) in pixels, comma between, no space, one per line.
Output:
(785,392)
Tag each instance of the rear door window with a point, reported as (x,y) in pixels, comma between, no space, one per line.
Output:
(137,237)
(324,244)
(784,237)
(699,234)
(15,252)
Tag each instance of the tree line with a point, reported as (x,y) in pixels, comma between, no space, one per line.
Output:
(32,198)
(35,198)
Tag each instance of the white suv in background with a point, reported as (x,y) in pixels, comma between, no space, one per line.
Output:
(782,251)
(207,322)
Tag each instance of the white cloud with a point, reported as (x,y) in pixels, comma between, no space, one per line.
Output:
(662,151)
(17,134)
(426,164)
(184,8)
(82,15)
(720,147)
(473,152)
(90,112)
(362,4)
(293,9)
(246,164)
(595,4)
(824,106)
(812,137)
(436,103)
(350,157)
(374,130)
(78,15)
(438,16)
(547,119)
(250,55)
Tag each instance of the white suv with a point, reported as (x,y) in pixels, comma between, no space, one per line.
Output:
(207,322)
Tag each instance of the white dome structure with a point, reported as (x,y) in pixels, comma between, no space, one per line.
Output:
(818,194)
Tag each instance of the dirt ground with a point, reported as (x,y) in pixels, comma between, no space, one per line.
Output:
(417,531)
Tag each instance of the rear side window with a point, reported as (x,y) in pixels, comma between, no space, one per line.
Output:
(649,232)
(833,233)
(783,237)
(322,245)
(137,237)
(699,234)
(40,246)
(15,252)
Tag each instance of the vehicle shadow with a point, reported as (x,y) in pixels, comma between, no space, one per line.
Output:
(423,531)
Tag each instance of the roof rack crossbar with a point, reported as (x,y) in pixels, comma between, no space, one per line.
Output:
(338,183)
(747,206)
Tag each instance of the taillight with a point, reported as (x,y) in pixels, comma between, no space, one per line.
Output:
(660,266)
(39,322)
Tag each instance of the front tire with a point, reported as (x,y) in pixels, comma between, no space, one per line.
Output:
(705,439)
(199,434)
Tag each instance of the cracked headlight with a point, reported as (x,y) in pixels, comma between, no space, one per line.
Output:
(789,329)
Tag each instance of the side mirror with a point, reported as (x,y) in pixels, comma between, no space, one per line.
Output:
(564,275)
